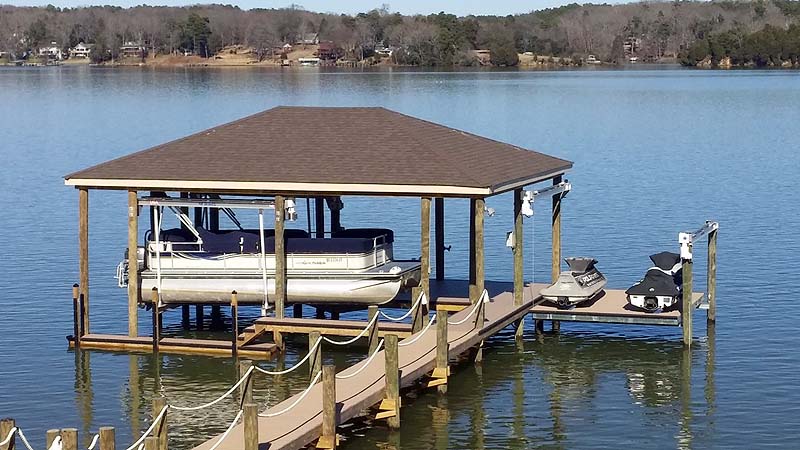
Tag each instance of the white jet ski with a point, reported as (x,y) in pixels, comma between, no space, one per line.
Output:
(580,283)
(662,285)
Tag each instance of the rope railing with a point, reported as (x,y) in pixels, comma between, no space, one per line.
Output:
(419,334)
(294,367)
(421,298)
(361,369)
(8,438)
(296,402)
(152,427)
(479,304)
(214,402)
(24,439)
(94,442)
(230,427)
(360,335)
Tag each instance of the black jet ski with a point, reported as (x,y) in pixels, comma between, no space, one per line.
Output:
(662,285)
(580,283)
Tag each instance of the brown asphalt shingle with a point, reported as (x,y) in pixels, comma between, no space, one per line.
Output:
(335,145)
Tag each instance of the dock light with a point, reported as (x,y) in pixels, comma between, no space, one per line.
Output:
(291,210)
(527,204)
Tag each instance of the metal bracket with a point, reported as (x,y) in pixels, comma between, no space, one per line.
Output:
(529,197)
(686,239)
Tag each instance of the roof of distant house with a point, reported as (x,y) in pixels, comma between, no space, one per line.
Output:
(357,150)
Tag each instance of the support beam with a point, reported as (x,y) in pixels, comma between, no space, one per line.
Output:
(133,264)
(234,324)
(391,402)
(442,369)
(711,289)
(479,271)
(336,220)
(83,253)
(438,207)
(556,269)
(425,254)
(319,217)
(250,426)
(198,316)
(686,305)
(213,219)
(329,413)
(519,262)
(185,317)
(280,264)
(471,248)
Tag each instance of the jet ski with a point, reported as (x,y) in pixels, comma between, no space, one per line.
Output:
(662,285)
(580,283)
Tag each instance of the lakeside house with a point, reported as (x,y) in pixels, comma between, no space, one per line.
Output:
(328,51)
(82,50)
(133,49)
(52,51)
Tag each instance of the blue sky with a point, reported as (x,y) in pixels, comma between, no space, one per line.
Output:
(460,7)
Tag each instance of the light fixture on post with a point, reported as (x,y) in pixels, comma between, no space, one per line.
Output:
(290,210)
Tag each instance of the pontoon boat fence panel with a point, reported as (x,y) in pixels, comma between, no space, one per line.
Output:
(230,203)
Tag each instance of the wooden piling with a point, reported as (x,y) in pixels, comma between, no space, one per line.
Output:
(711,289)
(83,253)
(329,422)
(471,249)
(161,430)
(297,311)
(107,438)
(6,425)
(235,324)
(216,317)
(69,439)
(480,205)
(250,426)
(519,263)
(247,386)
(185,317)
(319,217)
(51,435)
(425,253)
(280,265)
(556,245)
(686,304)
(198,317)
(372,335)
(442,370)
(133,264)
(391,402)
(76,311)
(156,322)
(151,443)
(417,320)
(315,361)
(438,213)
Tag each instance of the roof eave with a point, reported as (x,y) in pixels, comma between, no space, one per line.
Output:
(522,182)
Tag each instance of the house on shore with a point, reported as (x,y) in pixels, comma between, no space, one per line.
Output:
(133,49)
(82,50)
(51,51)
(328,51)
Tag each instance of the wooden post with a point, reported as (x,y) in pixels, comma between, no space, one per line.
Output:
(151,443)
(107,438)
(556,250)
(425,254)
(438,213)
(416,316)
(198,317)
(336,220)
(69,439)
(160,431)
(133,264)
(329,422)
(442,369)
(519,263)
(156,322)
(235,324)
(76,311)
(297,311)
(319,217)
(83,253)
(51,436)
(247,387)
(480,205)
(372,335)
(216,317)
(315,361)
(185,317)
(471,249)
(686,306)
(711,290)
(391,404)
(6,425)
(250,426)
(280,265)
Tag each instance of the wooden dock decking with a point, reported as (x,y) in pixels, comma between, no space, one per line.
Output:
(184,346)
(303,424)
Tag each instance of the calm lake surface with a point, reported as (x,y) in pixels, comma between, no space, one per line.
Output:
(656,152)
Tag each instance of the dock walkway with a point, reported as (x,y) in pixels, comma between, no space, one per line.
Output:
(302,425)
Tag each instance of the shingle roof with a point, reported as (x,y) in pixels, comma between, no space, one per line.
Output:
(316,149)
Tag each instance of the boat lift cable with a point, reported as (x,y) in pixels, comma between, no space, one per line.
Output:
(152,427)
(296,402)
(227,432)
(361,369)
(421,298)
(483,299)
(359,336)
(298,364)
(214,402)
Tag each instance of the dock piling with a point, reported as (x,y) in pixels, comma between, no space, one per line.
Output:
(185,317)
(216,317)
(328,439)
(280,265)
(51,436)
(133,264)
(315,363)
(297,311)
(150,443)
(235,324)
(198,317)
(442,370)
(156,321)
(76,308)
(425,254)
(372,336)
(69,439)
(686,304)
(711,289)
(6,425)
(160,431)
(107,438)
(390,406)
(250,426)
(519,263)
(556,245)
(83,255)
(438,212)
(247,387)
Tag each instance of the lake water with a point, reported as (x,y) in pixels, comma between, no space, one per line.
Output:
(656,152)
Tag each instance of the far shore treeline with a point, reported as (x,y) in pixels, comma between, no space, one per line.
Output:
(709,34)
